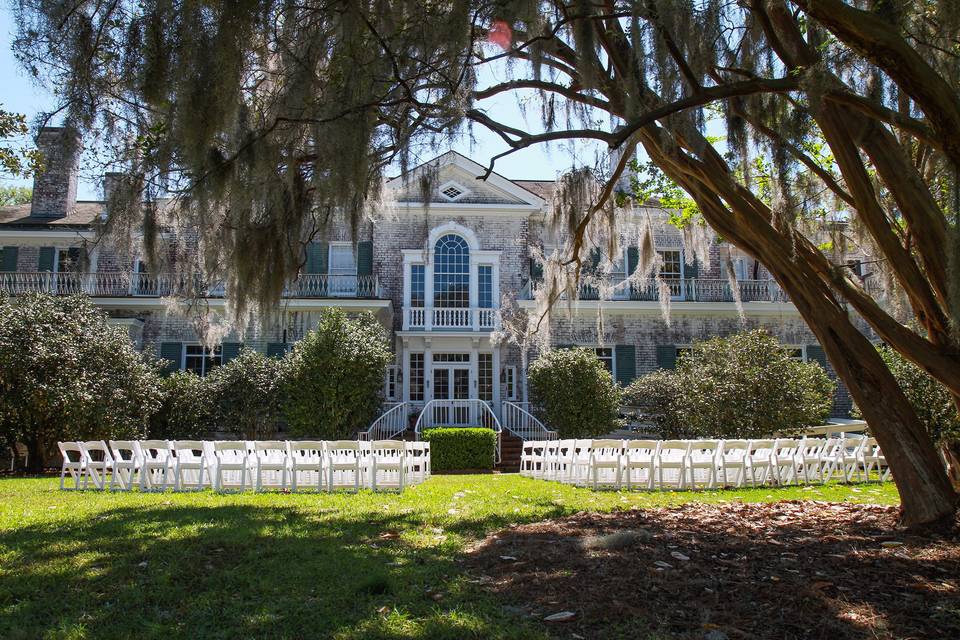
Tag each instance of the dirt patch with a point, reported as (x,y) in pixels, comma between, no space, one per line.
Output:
(785,570)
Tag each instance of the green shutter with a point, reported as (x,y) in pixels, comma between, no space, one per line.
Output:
(230,350)
(276,349)
(816,354)
(45,262)
(365,258)
(691,270)
(172,352)
(536,270)
(625,356)
(317,257)
(667,356)
(9,262)
(633,259)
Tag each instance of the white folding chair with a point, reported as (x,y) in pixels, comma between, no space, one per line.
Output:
(345,464)
(830,458)
(733,459)
(99,463)
(231,465)
(809,458)
(527,458)
(550,449)
(672,457)
(388,464)
(127,462)
(606,462)
(702,463)
(271,456)
(562,462)
(639,457)
(871,456)
(156,469)
(74,465)
(416,462)
(784,460)
(426,453)
(191,467)
(760,461)
(306,463)
(851,454)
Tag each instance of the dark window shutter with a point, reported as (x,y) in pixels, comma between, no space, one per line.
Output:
(45,262)
(633,259)
(626,363)
(692,269)
(536,270)
(816,354)
(230,350)
(317,257)
(667,356)
(276,349)
(365,258)
(172,353)
(9,262)
(594,258)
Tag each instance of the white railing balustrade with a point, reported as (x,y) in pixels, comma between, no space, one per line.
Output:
(518,420)
(450,318)
(393,421)
(458,413)
(130,283)
(683,290)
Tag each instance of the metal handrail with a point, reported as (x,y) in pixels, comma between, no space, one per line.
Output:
(523,424)
(390,423)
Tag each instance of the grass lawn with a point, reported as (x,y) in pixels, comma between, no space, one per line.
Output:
(202,565)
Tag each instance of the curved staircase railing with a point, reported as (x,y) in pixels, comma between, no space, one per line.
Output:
(458,413)
(523,424)
(389,424)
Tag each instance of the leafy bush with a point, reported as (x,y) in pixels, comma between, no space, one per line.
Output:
(575,393)
(187,409)
(246,394)
(459,448)
(743,386)
(930,399)
(335,376)
(66,374)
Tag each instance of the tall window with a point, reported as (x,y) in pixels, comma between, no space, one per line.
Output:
(417,298)
(510,382)
(416,377)
(201,360)
(485,376)
(485,286)
(342,260)
(451,272)
(605,356)
(390,383)
(671,265)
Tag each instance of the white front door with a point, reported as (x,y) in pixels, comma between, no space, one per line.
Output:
(451,382)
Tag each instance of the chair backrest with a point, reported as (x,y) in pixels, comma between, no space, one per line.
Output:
(96,451)
(852,445)
(125,450)
(640,449)
(71,451)
(187,450)
(673,449)
(606,448)
(230,450)
(388,448)
(306,449)
(785,447)
(735,449)
(270,449)
(155,450)
(343,448)
(761,448)
(812,447)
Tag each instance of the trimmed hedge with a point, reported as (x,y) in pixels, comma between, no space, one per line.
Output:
(458,448)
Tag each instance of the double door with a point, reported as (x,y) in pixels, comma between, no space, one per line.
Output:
(451,382)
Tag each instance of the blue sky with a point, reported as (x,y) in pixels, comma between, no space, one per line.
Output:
(20,95)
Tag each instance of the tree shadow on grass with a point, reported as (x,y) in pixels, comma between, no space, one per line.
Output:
(241,571)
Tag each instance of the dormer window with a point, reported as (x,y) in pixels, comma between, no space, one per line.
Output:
(452,191)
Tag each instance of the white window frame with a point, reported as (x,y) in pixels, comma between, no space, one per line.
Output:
(613,358)
(392,378)
(216,352)
(456,185)
(510,381)
(802,348)
(353,254)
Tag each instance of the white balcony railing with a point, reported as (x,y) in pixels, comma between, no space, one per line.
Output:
(128,283)
(450,318)
(686,290)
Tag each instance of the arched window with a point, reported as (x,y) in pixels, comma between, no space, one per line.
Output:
(451,272)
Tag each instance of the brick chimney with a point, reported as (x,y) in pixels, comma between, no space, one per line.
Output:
(55,188)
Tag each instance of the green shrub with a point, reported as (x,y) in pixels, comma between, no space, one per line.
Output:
(66,374)
(458,448)
(247,394)
(335,376)
(743,386)
(187,410)
(575,393)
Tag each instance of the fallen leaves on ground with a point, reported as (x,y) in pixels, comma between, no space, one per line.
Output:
(786,570)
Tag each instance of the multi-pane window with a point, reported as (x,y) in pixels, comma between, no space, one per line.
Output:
(416,377)
(342,260)
(672,261)
(605,356)
(485,286)
(200,359)
(485,376)
(390,384)
(510,382)
(451,272)
(451,357)
(795,353)
(69,259)
(417,297)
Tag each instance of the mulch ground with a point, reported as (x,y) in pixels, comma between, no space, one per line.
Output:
(785,570)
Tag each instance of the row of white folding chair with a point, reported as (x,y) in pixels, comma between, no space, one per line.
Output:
(194,464)
(701,463)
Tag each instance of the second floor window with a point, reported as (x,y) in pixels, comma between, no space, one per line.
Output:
(485,286)
(451,272)
(342,260)
(417,297)
(671,269)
